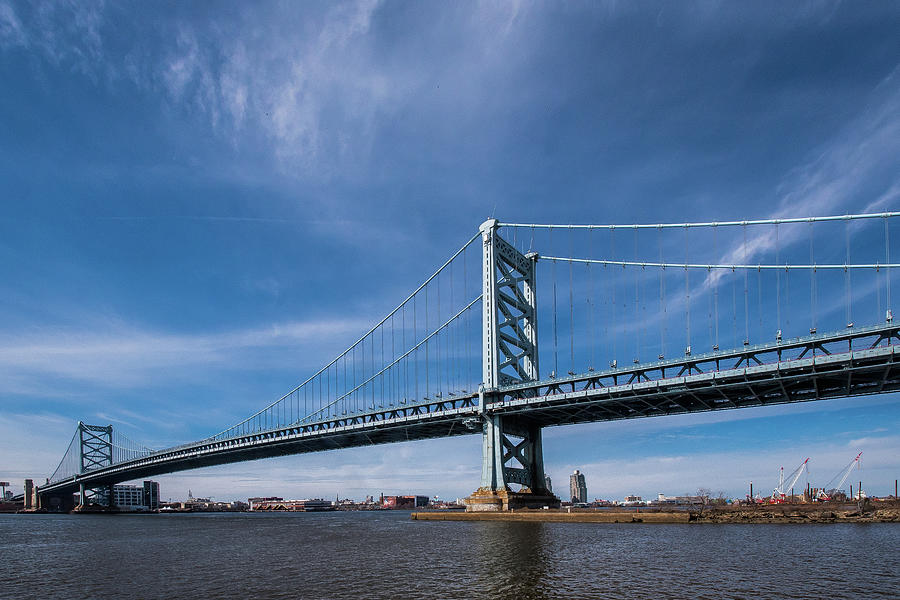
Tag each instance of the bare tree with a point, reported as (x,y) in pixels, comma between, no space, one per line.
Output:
(704,494)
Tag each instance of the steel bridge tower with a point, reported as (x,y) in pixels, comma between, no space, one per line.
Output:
(511,446)
(94,451)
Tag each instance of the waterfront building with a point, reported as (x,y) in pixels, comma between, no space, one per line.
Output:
(548,484)
(151,495)
(679,500)
(404,501)
(309,505)
(29,494)
(136,497)
(128,497)
(254,502)
(577,487)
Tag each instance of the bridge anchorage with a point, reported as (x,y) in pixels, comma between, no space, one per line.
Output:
(510,356)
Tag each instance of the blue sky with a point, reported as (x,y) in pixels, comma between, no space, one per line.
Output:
(202,204)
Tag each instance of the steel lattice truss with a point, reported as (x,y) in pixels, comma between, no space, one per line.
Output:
(96,446)
(812,368)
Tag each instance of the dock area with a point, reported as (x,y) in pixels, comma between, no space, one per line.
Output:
(555,516)
(883,512)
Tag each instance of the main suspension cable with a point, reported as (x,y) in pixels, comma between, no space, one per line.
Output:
(884,215)
(729,267)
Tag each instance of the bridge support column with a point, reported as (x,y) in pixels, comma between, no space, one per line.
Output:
(511,454)
(509,351)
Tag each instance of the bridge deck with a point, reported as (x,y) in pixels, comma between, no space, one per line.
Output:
(841,364)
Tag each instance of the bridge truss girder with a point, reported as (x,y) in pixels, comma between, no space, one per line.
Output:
(814,368)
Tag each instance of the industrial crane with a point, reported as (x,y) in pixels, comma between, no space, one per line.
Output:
(778,494)
(828,492)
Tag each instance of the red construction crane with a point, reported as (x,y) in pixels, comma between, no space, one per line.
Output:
(778,494)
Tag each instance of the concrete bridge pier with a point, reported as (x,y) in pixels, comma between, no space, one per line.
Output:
(57,503)
(506,442)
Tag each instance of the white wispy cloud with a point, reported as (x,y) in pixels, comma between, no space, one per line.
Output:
(128,356)
(835,180)
(306,81)
(11,31)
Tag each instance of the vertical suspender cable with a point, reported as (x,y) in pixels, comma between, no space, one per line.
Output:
(639,326)
(878,313)
(408,358)
(361,400)
(716,279)
(427,353)
(734,329)
(612,283)
(555,323)
(372,383)
(437,344)
(662,298)
(812,279)
(777,280)
(709,308)
(382,376)
(759,297)
(452,364)
(468,323)
(887,270)
(687,289)
(746,291)
(592,300)
(393,391)
(787,296)
(847,274)
(571,307)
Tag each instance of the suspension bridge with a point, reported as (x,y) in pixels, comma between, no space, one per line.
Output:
(749,313)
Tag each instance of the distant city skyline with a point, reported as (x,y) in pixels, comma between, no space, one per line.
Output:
(204,204)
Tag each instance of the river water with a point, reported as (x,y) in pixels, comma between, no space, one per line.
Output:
(386,555)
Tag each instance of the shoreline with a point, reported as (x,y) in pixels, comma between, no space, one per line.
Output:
(762,515)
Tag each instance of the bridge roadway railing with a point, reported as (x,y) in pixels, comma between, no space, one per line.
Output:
(852,362)
(830,365)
